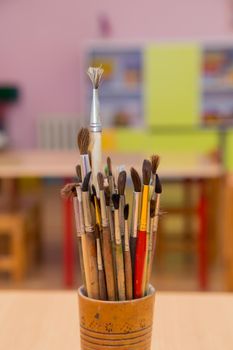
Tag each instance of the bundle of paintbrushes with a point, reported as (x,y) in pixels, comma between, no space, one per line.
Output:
(116,254)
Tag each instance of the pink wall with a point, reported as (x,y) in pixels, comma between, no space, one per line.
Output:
(41,46)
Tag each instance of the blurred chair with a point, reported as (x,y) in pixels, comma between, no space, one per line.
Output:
(20,239)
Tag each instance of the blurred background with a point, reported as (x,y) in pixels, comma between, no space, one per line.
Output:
(167,89)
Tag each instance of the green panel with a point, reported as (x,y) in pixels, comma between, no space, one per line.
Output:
(229,151)
(172,74)
(142,141)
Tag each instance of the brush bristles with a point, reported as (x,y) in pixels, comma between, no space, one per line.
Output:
(83,140)
(86,181)
(126,211)
(137,184)
(152,208)
(109,165)
(146,172)
(95,74)
(78,173)
(121,182)
(69,190)
(100,179)
(155,160)
(93,190)
(116,200)
(158,186)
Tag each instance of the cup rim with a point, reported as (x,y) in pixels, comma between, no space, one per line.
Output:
(151,294)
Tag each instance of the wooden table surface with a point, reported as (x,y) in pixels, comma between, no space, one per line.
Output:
(62,164)
(49,321)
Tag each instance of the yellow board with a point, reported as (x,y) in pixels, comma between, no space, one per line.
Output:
(172,91)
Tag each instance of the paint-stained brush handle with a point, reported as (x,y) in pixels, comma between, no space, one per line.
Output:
(102,286)
(133,242)
(128,276)
(80,253)
(92,259)
(139,263)
(108,263)
(120,272)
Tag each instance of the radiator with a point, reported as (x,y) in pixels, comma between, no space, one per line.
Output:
(57,134)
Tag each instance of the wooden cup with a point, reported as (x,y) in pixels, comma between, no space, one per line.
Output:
(116,324)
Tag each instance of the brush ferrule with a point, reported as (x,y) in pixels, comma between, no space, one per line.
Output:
(145,197)
(81,217)
(77,216)
(85,164)
(150,245)
(95,121)
(156,218)
(87,212)
(135,213)
(99,255)
(126,247)
(111,224)
(103,209)
(117,227)
(121,214)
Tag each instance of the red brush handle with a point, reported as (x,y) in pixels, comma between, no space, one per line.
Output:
(139,263)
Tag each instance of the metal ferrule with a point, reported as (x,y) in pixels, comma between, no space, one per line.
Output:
(85,164)
(117,227)
(145,197)
(87,212)
(150,246)
(99,256)
(121,214)
(76,216)
(104,215)
(126,247)
(111,224)
(95,121)
(81,217)
(135,213)
(156,218)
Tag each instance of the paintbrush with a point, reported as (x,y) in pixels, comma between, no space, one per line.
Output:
(106,241)
(90,249)
(150,244)
(95,74)
(142,233)
(110,216)
(127,258)
(155,160)
(83,141)
(101,274)
(121,181)
(68,191)
(118,249)
(137,185)
(110,181)
(158,191)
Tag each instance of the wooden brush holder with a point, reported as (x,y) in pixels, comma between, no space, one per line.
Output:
(116,324)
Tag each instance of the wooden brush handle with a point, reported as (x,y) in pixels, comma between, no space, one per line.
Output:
(120,272)
(128,276)
(139,264)
(92,260)
(108,263)
(86,263)
(102,286)
(80,253)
